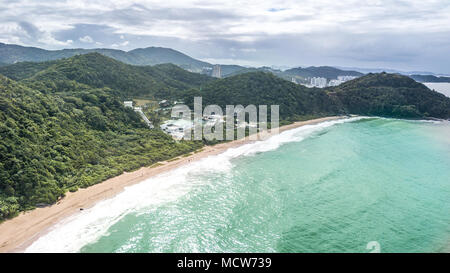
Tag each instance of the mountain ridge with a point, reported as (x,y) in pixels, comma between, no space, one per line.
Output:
(10,54)
(321,71)
(97,70)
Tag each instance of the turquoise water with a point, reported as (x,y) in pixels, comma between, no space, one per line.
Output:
(331,189)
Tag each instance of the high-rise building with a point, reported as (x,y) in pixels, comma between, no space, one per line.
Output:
(217,73)
(318,82)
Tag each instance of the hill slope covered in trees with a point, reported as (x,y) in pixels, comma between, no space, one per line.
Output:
(261,88)
(392,95)
(96,70)
(52,143)
(321,71)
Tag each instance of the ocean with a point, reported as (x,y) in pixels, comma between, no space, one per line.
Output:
(441,87)
(330,187)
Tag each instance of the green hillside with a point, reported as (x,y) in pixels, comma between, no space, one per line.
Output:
(321,71)
(96,70)
(53,143)
(23,70)
(388,95)
(260,88)
(160,55)
(392,95)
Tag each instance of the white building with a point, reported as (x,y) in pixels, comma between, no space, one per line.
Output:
(217,71)
(346,78)
(128,104)
(318,82)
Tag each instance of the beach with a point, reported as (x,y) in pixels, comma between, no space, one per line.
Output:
(18,233)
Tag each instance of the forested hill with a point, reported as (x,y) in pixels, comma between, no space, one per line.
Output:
(260,88)
(383,94)
(143,56)
(98,71)
(20,71)
(51,143)
(321,71)
(391,95)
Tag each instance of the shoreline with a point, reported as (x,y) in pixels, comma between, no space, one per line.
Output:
(18,233)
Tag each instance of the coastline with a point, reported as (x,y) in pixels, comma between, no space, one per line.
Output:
(20,232)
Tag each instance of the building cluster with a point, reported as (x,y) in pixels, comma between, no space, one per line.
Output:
(178,127)
(318,82)
(322,82)
(214,71)
(341,79)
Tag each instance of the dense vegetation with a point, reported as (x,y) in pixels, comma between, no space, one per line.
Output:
(300,74)
(96,70)
(63,124)
(321,71)
(20,71)
(260,88)
(391,95)
(54,143)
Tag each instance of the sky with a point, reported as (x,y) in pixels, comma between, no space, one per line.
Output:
(411,35)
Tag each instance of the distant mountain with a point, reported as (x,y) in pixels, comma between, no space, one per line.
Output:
(98,71)
(429,78)
(160,55)
(321,71)
(230,69)
(302,73)
(143,56)
(266,69)
(387,70)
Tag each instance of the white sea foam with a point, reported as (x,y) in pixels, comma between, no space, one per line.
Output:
(74,232)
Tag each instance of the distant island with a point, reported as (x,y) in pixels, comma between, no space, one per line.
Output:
(430,78)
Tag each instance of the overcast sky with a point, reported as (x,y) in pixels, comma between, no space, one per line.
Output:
(406,35)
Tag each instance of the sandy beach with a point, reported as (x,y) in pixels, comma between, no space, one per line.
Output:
(18,233)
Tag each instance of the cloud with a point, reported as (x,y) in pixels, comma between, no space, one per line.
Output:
(405,34)
(86,39)
(123,44)
(29,33)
